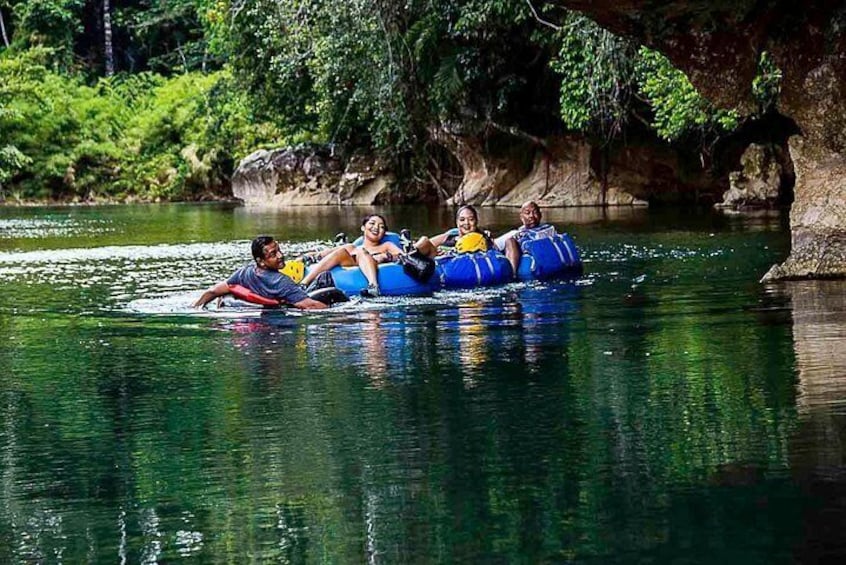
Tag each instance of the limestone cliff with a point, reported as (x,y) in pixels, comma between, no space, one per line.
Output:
(506,171)
(765,172)
(311,176)
(568,171)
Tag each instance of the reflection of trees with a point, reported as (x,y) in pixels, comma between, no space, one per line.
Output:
(353,436)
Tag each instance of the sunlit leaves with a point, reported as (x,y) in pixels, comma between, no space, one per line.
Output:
(597,75)
(126,135)
(766,86)
(678,108)
(11,161)
(674,99)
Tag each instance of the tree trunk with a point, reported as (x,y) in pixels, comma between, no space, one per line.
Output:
(3,30)
(107,32)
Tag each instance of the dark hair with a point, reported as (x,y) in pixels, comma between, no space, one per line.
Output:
(258,245)
(380,216)
(467,207)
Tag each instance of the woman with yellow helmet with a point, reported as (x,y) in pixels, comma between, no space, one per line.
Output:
(465,237)
(472,261)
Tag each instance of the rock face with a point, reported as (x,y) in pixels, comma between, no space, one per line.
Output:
(817,219)
(567,171)
(717,45)
(561,175)
(491,166)
(655,172)
(311,176)
(504,171)
(760,183)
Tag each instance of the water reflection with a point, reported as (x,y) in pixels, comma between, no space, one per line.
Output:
(472,346)
(375,346)
(647,417)
(819,339)
(526,326)
(817,456)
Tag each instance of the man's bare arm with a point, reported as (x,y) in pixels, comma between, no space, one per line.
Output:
(220,289)
(309,304)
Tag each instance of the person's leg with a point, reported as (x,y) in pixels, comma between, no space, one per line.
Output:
(317,256)
(338,257)
(368,266)
(513,253)
(426,247)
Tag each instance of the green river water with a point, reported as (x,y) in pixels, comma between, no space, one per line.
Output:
(663,408)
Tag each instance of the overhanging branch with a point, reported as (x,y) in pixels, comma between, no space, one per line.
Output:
(539,19)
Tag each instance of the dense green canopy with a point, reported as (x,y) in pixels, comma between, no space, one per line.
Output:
(198,84)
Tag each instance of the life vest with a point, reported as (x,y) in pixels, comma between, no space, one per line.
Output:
(468,270)
(471,243)
(328,295)
(542,231)
(295,269)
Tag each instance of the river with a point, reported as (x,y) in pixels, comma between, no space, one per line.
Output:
(664,407)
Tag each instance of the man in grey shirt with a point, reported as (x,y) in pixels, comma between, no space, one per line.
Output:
(264,279)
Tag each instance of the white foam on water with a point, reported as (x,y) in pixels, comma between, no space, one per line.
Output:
(167,279)
(56,226)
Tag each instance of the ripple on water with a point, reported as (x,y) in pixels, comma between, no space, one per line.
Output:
(165,279)
(113,276)
(57,226)
(819,341)
(534,422)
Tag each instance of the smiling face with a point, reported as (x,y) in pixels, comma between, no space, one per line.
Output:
(273,258)
(374,229)
(466,221)
(530,215)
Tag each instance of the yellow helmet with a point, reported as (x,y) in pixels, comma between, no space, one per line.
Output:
(471,242)
(294,269)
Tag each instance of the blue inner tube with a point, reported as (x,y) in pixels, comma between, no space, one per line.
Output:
(472,270)
(392,281)
(549,258)
(393,237)
(542,259)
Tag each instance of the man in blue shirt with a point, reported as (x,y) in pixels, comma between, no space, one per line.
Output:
(263,278)
(530,216)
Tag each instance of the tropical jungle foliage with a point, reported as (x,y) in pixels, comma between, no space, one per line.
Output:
(159,99)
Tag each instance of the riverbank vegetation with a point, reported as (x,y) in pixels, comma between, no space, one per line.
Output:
(159,100)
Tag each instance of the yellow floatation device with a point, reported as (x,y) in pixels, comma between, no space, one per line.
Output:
(294,269)
(471,242)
